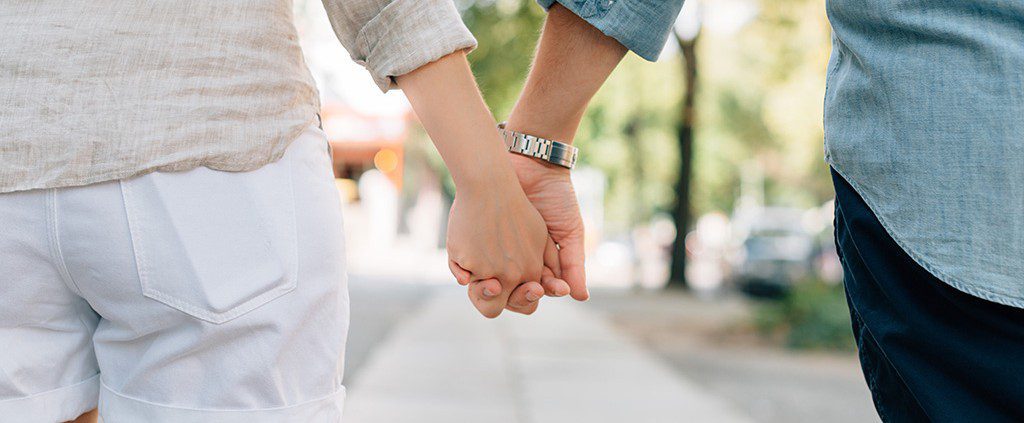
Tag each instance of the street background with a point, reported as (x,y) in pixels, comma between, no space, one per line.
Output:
(717,293)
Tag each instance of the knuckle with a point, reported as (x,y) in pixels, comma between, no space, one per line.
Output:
(509,273)
(534,274)
(456,256)
(519,301)
(526,311)
(536,264)
(471,266)
(485,309)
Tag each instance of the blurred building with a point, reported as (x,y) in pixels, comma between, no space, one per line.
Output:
(367,128)
(363,141)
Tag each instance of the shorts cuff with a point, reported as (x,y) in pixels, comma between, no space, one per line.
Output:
(58,405)
(117,407)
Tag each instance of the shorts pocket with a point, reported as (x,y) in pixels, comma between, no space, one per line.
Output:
(213,244)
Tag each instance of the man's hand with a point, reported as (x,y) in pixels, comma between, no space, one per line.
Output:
(495,235)
(549,188)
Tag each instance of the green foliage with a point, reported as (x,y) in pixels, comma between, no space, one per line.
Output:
(813,315)
(630,121)
(507,32)
(629,133)
(759,103)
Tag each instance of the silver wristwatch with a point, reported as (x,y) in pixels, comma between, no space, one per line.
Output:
(554,152)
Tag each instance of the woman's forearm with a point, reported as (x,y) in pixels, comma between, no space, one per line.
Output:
(448,103)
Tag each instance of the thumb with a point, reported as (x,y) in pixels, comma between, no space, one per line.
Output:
(572,257)
(485,296)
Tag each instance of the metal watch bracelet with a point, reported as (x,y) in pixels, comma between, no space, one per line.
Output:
(554,152)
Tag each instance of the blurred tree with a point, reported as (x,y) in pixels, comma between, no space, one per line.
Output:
(629,133)
(630,119)
(681,213)
(760,104)
(760,73)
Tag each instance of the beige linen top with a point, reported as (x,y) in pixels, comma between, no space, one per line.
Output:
(99,90)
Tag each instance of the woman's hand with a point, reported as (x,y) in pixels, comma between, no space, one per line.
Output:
(495,233)
(550,191)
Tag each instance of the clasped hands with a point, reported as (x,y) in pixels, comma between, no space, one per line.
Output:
(513,240)
(514,233)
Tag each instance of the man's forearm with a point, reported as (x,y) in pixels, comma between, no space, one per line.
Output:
(572,62)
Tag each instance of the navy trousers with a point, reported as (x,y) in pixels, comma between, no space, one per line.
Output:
(929,352)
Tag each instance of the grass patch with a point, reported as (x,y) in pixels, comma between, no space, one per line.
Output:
(813,315)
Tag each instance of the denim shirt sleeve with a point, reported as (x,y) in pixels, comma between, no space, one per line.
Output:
(643,26)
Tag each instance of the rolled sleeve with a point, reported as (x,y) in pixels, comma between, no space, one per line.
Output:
(643,26)
(394,37)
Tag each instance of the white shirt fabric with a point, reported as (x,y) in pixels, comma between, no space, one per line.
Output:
(93,91)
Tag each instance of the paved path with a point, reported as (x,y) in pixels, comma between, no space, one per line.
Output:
(377,307)
(446,364)
(706,342)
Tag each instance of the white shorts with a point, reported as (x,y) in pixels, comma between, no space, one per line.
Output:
(177,297)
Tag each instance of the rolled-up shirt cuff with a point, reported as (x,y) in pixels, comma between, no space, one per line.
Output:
(408,34)
(642,26)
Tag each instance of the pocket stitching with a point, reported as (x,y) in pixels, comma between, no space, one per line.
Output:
(156,294)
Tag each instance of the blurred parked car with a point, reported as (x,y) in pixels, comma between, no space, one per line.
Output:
(775,251)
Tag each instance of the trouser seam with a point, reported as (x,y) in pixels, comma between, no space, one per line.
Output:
(55,248)
(863,323)
(872,380)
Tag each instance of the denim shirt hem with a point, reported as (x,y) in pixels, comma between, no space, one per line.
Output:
(970,289)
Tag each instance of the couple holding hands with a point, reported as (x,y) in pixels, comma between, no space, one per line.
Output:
(172,241)
(171,245)
(515,233)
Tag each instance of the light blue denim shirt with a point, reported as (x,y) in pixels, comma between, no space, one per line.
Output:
(643,26)
(924,117)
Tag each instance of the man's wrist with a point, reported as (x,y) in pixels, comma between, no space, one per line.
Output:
(532,173)
(552,123)
(572,62)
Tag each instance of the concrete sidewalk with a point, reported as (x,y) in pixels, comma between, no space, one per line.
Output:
(445,363)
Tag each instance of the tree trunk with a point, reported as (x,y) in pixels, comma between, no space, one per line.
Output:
(681,212)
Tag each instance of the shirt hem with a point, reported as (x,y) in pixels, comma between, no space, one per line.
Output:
(919,259)
(277,152)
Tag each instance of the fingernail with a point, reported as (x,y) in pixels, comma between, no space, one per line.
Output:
(532,296)
(488,293)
